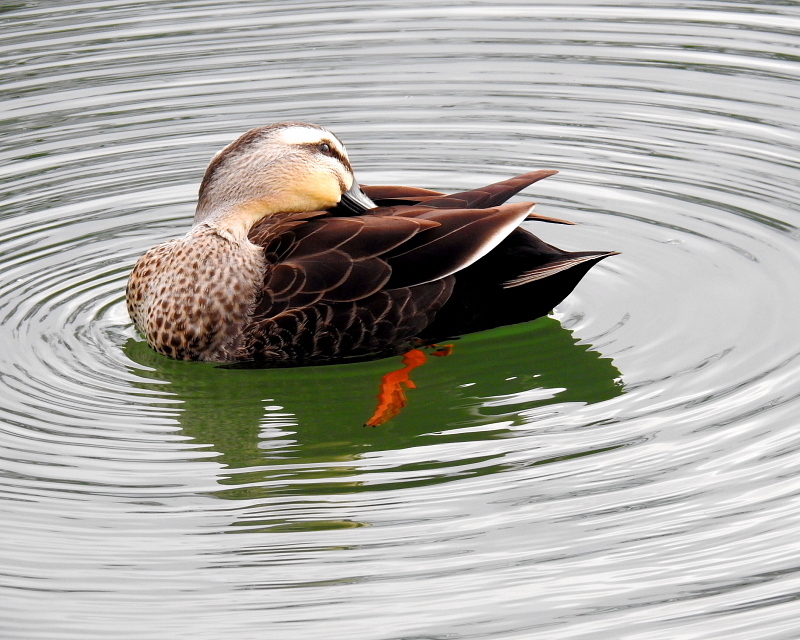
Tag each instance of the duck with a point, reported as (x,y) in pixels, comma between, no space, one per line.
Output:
(291,262)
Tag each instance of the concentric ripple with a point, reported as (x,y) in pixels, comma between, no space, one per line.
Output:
(626,468)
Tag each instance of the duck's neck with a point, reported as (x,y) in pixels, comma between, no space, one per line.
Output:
(233,222)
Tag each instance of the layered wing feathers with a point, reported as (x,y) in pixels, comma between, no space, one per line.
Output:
(557,266)
(462,237)
(483,198)
(413,202)
(349,287)
(349,259)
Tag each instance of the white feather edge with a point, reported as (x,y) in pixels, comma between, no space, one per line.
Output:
(548,270)
(495,239)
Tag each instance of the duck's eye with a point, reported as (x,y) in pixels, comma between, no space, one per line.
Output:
(325,148)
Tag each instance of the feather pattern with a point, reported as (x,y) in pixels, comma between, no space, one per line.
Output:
(277,274)
(556,266)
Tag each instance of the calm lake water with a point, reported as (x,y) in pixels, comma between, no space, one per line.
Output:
(625,468)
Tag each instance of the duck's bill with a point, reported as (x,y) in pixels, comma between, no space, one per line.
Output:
(354,202)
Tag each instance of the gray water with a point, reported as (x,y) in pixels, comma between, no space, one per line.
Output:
(626,468)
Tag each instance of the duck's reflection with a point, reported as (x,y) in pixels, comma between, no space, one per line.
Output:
(307,423)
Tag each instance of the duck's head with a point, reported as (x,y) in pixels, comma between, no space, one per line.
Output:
(285,167)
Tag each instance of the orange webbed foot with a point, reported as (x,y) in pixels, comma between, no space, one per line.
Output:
(443,350)
(392,395)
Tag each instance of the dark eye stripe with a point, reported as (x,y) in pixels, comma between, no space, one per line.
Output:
(332,153)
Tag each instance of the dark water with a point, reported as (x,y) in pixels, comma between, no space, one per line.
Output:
(626,468)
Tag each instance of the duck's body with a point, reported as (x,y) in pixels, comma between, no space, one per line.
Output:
(289,263)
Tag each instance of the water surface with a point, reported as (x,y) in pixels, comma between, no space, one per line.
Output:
(625,468)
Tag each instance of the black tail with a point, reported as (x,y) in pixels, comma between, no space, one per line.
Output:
(520,280)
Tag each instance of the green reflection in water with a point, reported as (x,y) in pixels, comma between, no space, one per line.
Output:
(300,431)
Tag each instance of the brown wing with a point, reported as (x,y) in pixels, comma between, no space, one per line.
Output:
(330,260)
(388,194)
(394,200)
(349,259)
(420,264)
(489,196)
(323,297)
(482,198)
(379,325)
(462,237)
(365,284)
